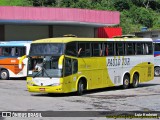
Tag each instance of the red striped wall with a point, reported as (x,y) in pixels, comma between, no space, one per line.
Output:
(59,14)
(109,32)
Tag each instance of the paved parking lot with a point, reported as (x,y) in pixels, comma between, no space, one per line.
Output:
(15,97)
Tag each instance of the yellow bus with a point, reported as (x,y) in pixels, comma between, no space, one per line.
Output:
(71,64)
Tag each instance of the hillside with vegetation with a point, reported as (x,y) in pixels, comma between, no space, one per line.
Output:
(134,14)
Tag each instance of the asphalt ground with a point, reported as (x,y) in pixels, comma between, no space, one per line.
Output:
(15,97)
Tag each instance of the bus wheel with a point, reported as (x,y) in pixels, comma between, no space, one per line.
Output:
(126,82)
(157,71)
(80,88)
(4,75)
(135,81)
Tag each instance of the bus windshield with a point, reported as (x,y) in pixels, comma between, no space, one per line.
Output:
(157,46)
(44,66)
(46,49)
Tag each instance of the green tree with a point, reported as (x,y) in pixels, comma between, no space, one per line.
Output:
(142,16)
(121,5)
(42,2)
(83,4)
(69,3)
(127,24)
(104,5)
(155,5)
(15,3)
(156,23)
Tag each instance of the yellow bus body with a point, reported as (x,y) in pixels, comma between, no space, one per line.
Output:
(95,70)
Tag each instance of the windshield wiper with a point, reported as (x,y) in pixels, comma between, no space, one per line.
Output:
(46,73)
(43,70)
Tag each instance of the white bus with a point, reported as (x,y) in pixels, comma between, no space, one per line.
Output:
(12,64)
(156,57)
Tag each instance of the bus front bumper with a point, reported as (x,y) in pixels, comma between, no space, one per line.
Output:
(56,87)
(45,89)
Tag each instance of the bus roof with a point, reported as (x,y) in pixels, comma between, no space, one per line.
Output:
(14,43)
(70,39)
(157,40)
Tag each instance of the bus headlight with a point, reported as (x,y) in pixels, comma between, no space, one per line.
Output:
(30,83)
(56,84)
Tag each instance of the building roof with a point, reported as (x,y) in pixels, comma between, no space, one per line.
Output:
(58,16)
(148,31)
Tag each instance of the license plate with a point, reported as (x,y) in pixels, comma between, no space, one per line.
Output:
(42,89)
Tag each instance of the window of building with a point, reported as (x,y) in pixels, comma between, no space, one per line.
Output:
(153,36)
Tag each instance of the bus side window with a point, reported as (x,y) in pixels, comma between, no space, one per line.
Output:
(7,51)
(157,46)
(81,48)
(17,52)
(109,49)
(79,51)
(119,49)
(13,51)
(149,48)
(84,50)
(101,52)
(20,51)
(139,49)
(130,49)
(74,66)
(97,49)
(71,49)
(70,66)
(0,51)
(88,50)
(67,66)
(105,49)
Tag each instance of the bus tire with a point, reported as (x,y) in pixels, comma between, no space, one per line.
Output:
(126,82)
(4,74)
(80,88)
(135,80)
(157,71)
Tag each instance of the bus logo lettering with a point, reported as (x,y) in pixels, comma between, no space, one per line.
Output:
(114,62)
(117,62)
(125,61)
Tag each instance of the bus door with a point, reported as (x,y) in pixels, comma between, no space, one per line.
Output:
(146,50)
(148,67)
(114,52)
(70,73)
